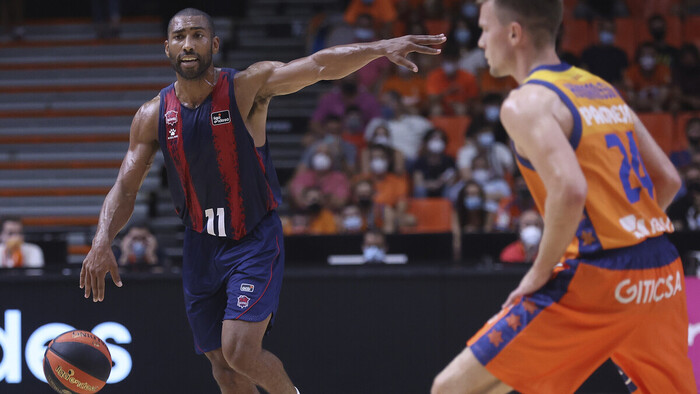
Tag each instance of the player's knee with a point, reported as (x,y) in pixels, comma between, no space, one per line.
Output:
(439,384)
(241,357)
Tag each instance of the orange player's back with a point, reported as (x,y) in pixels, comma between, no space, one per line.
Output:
(621,208)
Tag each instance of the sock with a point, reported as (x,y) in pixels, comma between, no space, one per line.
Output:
(297,390)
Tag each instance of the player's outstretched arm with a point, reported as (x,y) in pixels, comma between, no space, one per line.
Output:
(264,80)
(536,120)
(662,172)
(119,203)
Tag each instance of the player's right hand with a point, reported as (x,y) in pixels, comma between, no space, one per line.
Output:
(97,263)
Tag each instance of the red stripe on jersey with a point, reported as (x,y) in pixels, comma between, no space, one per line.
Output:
(227,156)
(173,122)
(271,202)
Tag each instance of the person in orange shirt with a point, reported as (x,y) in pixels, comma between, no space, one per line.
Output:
(383,12)
(450,90)
(411,86)
(321,219)
(391,190)
(647,82)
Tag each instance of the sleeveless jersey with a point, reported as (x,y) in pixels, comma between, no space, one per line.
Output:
(220,182)
(620,208)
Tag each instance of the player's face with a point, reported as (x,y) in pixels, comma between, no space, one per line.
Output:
(190,46)
(493,40)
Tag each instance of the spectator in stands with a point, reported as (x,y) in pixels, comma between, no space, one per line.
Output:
(375,71)
(468,216)
(434,170)
(591,9)
(351,220)
(524,250)
(407,130)
(495,188)
(410,86)
(363,198)
(685,210)
(343,154)
(320,218)
(12,18)
(604,58)
(510,208)
(346,93)
(692,133)
(334,185)
(138,247)
(686,79)
(466,35)
(381,136)
(451,90)
(382,11)
(14,252)
(666,53)
(469,10)
(391,191)
(497,154)
(106,14)
(374,247)
(691,7)
(647,82)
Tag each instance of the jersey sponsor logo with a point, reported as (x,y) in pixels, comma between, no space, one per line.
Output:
(247,287)
(172,134)
(606,115)
(221,117)
(243,301)
(648,290)
(638,227)
(171,117)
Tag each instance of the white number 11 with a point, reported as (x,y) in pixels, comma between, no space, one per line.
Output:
(210,221)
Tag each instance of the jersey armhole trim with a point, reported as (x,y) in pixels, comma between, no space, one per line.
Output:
(575,137)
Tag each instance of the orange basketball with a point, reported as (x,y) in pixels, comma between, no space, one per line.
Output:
(77,362)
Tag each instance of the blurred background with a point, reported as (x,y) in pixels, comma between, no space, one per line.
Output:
(406,220)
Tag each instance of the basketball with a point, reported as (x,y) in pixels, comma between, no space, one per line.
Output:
(77,362)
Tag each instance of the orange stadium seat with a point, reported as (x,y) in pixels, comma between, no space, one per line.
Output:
(490,84)
(691,29)
(626,37)
(578,35)
(646,8)
(433,215)
(680,141)
(437,26)
(661,127)
(456,129)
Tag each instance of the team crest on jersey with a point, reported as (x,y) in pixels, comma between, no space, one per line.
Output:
(243,301)
(247,287)
(171,117)
(221,117)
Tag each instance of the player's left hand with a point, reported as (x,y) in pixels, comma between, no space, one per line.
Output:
(531,282)
(396,49)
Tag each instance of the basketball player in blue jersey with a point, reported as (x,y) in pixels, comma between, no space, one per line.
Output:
(210,126)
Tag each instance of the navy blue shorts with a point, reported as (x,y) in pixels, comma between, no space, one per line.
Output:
(224,279)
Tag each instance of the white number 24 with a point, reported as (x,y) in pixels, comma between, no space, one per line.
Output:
(220,219)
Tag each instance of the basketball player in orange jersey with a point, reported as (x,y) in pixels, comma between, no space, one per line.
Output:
(210,126)
(606,282)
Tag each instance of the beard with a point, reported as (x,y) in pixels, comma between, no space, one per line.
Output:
(203,64)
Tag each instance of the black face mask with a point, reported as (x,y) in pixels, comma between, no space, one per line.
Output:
(693,186)
(314,208)
(364,202)
(694,141)
(658,34)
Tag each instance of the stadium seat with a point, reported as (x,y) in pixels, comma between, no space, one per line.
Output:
(433,215)
(661,127)
(680,141)
(490,84)
(691,28)
(626,36)
(456,129)
(578,35)
(437,26)
(646,8)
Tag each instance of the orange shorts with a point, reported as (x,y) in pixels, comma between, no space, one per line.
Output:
(627,304)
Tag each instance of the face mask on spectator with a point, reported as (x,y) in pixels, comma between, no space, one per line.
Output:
(314,207)
(388,113)
(450,68)
(491,113)
(331,139)
(485,139)
(436,145)
(531,235)
(321,162)
(353,123)
(463,36)
(138,248)
(481,176)
(352,223)
(647,62)
(470,10)
(472,202)
(364,34)
(373,254)
(379,166)
(381,140)
(606,37)
(364,202)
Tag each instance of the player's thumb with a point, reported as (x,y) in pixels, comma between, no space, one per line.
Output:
(115,276)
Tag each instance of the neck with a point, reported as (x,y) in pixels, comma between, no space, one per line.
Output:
(527,61)
(192,92)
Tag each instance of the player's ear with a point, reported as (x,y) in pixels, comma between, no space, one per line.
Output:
(516,33)
(215,44)
(167,48)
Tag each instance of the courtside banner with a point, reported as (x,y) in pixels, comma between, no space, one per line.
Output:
(693,294)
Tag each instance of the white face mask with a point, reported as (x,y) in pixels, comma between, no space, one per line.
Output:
(436,145)
(531,235)
(449,68)
(485,139)
(481,176)
(381,140)
(491,113)
(373,254)
(378,165)
(352,223)
(647,62)
(321,162)
(364,34)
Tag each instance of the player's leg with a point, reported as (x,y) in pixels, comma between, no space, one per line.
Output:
(465,374)
(242,349)
(229,381)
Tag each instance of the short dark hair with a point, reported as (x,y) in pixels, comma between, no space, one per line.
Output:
(193,12)
(542,18)
(5,219)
